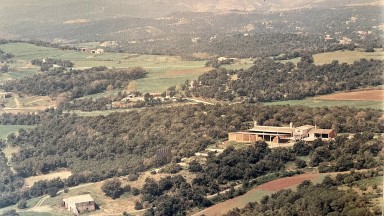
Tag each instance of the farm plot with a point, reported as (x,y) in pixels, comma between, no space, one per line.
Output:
(312,102)
(365,95)
(257,193)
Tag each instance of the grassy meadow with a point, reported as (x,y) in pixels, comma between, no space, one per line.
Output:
(163,71)
(5,130)
(344,56)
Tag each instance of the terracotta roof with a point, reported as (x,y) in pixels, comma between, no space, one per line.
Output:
(79,199)
(272,129)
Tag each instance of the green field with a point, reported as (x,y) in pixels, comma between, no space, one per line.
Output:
(164,71)
(5,130)
(345,56)
(320,103)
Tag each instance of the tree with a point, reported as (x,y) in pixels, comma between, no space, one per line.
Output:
(138,206)
(112,188)
(22,204)
(194,166)
(300,163)
(135,191)
(52,191)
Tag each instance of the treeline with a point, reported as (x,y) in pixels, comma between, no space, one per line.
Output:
(21,119)
(87,104)
(47,63)
(319,199)
(268,80)
(75,83)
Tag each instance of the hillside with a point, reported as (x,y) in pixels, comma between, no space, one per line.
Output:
(130,20)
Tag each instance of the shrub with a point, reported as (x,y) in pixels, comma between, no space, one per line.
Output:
(112,188)
(133,177)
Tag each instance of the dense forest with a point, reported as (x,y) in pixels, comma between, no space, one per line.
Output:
(23,119)
(320,199)
(268,80)
(75,83)
(92,143)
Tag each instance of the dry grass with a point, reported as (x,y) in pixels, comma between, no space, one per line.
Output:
(62,174)
(346,56)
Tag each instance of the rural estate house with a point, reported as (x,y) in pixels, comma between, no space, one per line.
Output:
(79,204)
(307,133)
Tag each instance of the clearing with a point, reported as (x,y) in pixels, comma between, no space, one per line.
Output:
(5,130)
(61,174)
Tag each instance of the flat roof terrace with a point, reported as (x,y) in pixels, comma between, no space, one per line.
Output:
(271,130)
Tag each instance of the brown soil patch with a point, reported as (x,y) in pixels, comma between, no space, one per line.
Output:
(188,71)
(283,183)
(366,95)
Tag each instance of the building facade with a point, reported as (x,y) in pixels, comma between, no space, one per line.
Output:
(80,204)
(275,134)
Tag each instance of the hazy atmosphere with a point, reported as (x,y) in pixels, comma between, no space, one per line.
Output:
(203,108)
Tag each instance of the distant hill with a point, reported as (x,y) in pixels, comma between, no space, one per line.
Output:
(130,20)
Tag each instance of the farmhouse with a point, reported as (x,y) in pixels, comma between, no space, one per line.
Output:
(93,51)
(5,94)
(79,204)
(274,134)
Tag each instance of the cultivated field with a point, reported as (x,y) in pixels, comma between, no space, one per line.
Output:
(164,71)
(345,56)
(364,95)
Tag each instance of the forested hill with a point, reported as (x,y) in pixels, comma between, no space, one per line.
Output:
(75,83)
(119,143)
(233,33)
(268,80)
